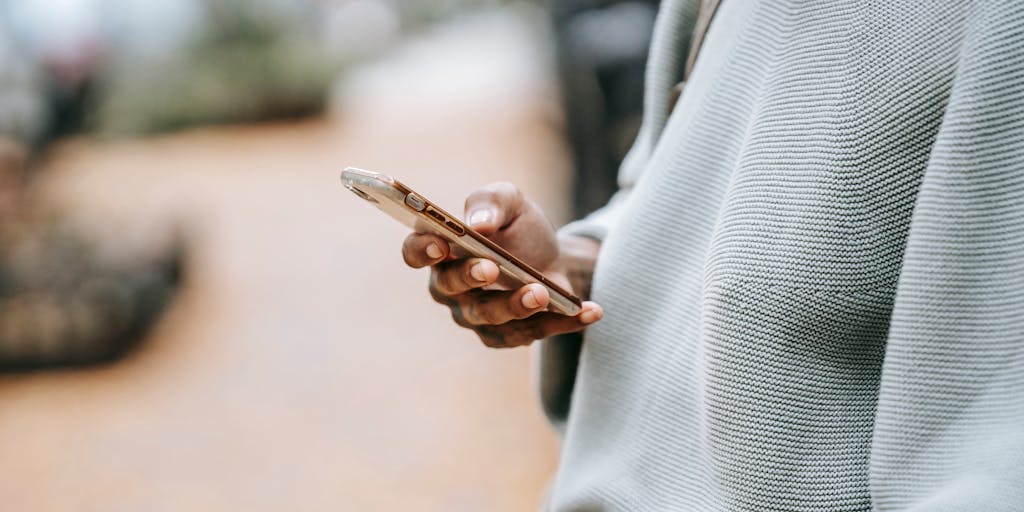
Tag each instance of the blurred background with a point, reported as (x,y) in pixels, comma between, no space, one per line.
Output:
(195,315)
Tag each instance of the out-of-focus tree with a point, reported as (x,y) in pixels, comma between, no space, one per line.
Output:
(248,60)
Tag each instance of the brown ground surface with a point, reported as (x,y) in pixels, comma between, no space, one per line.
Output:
(303,367)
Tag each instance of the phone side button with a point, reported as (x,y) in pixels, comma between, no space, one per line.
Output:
(455,228)
(415,202)
(437,216)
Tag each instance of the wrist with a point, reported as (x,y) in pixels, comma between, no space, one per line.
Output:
(577,258)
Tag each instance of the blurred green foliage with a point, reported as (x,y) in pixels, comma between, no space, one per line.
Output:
(416,13)
(244,63)
(249,60)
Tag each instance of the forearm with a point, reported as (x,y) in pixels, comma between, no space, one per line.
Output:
(577,258)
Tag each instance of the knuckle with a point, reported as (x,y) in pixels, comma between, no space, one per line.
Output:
(466,276)
(498,193)
(504,188)
(459,317)
(486,314)
(441,285)
(492,338)
(532,331)
(516,308)
(482,195)
(470,313)
(409,259)
(496,308)
(486,311)
(454,277)
(409,253)
(435,290)
(432,284)
(488,341)
(444,281)
(524,341)
(507,194)
(514,341)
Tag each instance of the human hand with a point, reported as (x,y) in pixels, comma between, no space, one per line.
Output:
(502,313)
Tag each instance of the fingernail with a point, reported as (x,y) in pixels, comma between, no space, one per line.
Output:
(591,316)
(530,300)
(480,217)
(433,251)
(477,271)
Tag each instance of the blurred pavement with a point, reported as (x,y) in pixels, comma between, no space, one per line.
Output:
(303,367)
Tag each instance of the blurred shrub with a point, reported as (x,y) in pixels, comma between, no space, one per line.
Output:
(427,12)
(249,60)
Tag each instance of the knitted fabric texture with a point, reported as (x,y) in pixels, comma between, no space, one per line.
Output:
(813,277)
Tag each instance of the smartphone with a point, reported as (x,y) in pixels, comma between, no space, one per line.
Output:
(423,216)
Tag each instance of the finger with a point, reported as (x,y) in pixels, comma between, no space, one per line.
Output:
(542,325)
(460,276)
(501,213)
(493,207)
(495,308)
(531,235)
(421,250)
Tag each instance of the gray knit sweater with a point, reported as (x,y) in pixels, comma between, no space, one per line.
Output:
(813,278)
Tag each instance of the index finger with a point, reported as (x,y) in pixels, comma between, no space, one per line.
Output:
(424,249)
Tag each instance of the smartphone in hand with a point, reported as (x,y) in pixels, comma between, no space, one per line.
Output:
(423,216)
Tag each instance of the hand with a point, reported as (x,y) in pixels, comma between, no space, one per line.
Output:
(503,315)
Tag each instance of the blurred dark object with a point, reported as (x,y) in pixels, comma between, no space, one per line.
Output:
(64,302)
(602,53)
(59,47)
(13,154)
(71,84)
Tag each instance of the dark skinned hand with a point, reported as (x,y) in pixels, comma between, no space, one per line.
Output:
(501,313)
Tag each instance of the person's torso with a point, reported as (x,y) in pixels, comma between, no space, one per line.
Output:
(748,286)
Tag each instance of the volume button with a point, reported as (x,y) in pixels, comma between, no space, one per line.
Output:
(454,228)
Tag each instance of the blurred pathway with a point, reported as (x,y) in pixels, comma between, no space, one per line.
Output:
(303,368)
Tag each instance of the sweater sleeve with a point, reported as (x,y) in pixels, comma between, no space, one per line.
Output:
(557,357)
(949,430)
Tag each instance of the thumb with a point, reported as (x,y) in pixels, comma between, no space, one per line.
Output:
(493,207)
